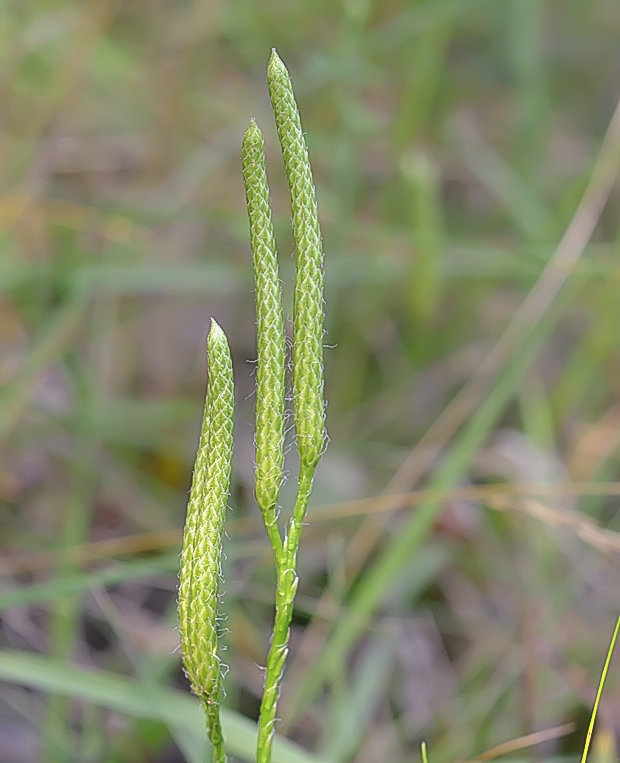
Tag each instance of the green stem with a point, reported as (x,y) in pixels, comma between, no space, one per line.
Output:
(306,475)
(214,730)
(274,536)
(285,596)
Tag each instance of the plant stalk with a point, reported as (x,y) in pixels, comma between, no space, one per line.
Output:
(287,580)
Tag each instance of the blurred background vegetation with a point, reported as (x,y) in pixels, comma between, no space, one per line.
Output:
(452,142)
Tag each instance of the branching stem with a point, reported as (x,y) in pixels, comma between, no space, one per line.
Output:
(286,565)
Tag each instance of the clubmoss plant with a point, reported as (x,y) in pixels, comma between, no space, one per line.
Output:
(202,539)
(271,341)
(200,566)
(308,402)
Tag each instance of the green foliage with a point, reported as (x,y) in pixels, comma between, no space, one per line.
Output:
(599,692)
(452,142)
(135,698)
(202,543)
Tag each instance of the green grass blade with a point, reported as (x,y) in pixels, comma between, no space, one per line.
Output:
(406,543)
(52,342)
(599,692)
(126,695)
(353,713)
